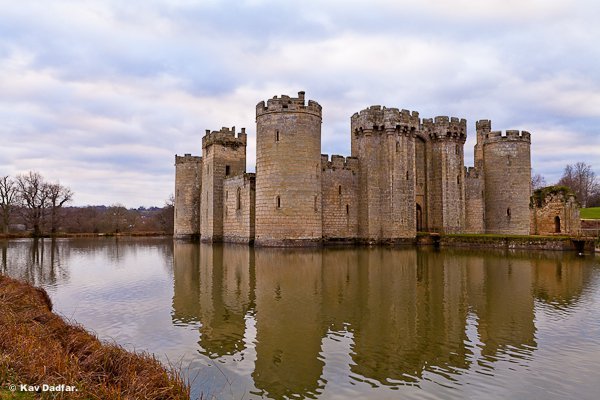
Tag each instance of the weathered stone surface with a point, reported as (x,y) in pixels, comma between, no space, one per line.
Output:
(188,182)
(554,210)
(507,174)
(288,171)
(404,175)
(238,210)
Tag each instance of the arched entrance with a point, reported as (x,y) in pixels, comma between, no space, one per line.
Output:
(419,218)
(557,224)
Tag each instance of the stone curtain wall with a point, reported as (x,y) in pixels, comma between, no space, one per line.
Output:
(238,209)
(474,203)
(340,197)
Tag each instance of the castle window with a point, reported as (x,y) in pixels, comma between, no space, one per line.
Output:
(347,209)
(278,202)
(316,207)
(557,224)
(458,179)
(238,199)
(508,212)
(397,147)
(456,150)
(226,194)
(277,136)
(227,170)
(406,175)
(340,190)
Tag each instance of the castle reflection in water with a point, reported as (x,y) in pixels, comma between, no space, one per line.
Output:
(406,311)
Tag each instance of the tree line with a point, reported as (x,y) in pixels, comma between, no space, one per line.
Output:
(28,202)
(581,179)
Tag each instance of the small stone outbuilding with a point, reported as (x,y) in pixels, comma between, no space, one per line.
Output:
(554,211)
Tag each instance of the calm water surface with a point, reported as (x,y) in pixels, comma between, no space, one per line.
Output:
(373,323)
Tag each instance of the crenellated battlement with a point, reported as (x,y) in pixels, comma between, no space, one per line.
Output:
(289,104)
(339,163)
(225,137)
(483,125)
(383,118)
(508,136)
(443,127)
(187,158)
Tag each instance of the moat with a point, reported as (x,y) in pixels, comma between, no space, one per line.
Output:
(334,323)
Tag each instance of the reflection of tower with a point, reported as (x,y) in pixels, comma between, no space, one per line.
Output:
(288,322)
(213,285)
(506,319)
(288,171)
(224,298)
(559,279)
(186,282)
(413,315)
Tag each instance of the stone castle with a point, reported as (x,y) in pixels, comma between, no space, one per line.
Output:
(405,175)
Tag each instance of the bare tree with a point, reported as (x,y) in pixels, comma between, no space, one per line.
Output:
(8,199)
(166,215)
(117,214)
(57,195)
(582,180)
(33,198)
(538,182)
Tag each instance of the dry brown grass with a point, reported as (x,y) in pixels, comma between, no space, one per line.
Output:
(37,346)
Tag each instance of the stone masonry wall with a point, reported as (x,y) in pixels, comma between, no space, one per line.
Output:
(555,205)
(474,201)
(340,197)
(224,155)
(288,172)
(238,208)
(446,178)
(507,170)
(188,181)
(383,140)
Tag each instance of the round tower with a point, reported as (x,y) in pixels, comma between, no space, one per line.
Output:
(507,176)
(288,171)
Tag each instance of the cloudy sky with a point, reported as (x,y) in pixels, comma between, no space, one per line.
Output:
(101,95)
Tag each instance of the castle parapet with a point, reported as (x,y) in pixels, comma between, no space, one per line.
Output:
(483,125)
(289,104)
(383,118)
(443,127)
(226,137)
(339,163)
(187,158)
(508,136)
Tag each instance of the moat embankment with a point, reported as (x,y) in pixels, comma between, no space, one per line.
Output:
(43,356)
(476,241)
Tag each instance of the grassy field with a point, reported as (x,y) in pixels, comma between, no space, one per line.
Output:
(590,213)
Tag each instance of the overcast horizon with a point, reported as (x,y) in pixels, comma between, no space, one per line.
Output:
(101,95)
